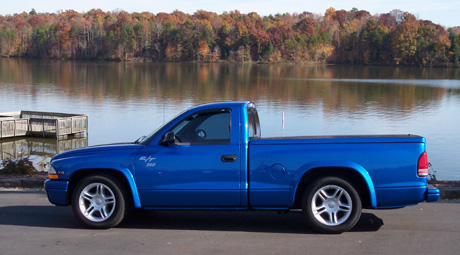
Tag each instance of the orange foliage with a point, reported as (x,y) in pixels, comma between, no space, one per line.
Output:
(203,50)
(338,36)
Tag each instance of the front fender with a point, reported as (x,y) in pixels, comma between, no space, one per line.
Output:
(108,168)
(300,173)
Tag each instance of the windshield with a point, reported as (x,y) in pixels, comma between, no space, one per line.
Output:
(144,140)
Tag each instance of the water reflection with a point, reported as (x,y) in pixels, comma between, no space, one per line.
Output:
(336,86)
(454,84)
(127,100)
(38,150)
(44,147)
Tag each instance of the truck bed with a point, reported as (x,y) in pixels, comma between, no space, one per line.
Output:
(388,161)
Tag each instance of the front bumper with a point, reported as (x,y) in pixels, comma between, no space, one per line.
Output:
(432,194)
(57,191)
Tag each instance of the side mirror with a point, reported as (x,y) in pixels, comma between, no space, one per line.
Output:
(168,139)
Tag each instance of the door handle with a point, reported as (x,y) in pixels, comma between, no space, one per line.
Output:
(228,158)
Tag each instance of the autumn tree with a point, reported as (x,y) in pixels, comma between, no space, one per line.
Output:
(203,51)
(441,46)
(128,40)
(454,50)
(7,41)
(157,29)
(376,41)
(405,37)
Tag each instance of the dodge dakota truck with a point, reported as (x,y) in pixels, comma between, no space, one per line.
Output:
(213,157)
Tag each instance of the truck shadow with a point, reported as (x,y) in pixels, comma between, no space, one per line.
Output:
(253,221)
(38,216)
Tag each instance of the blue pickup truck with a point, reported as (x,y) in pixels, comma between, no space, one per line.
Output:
(213,157)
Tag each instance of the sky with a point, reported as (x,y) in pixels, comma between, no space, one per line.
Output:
(443,12)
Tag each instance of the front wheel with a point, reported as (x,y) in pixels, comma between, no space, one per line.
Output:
(98,202)
(331,205)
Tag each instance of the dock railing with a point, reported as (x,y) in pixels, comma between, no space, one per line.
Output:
(44,124)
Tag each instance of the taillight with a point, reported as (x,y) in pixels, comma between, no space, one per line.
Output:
(422,169)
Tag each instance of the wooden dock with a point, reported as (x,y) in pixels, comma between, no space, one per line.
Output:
(42,124)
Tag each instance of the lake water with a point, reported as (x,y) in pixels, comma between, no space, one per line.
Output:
(127,100)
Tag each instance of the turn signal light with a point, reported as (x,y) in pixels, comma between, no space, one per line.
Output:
(423,165)
(53,176)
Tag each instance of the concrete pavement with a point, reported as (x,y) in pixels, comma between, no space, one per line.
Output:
(30,224)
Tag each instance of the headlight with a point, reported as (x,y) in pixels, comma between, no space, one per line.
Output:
(52,174)
(51,169)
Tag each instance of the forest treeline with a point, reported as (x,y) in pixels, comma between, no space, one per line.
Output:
(338,36)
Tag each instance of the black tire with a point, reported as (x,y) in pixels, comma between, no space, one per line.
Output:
(98,201)
(331,205)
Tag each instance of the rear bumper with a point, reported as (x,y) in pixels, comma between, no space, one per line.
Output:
(57,191)
(405,196)
(432,194)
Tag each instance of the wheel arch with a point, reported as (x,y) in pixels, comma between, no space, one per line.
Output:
(124,176)
(353,173)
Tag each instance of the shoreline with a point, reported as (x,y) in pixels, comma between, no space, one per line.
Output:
(251,62)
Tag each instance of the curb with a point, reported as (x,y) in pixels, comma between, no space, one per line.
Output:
(450,190)
(25,182)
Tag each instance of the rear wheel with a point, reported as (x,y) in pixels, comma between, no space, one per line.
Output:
(331,205)
(98,202)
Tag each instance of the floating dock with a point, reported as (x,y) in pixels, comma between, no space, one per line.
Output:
(42,124)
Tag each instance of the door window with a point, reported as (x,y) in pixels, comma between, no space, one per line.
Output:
(205,128)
